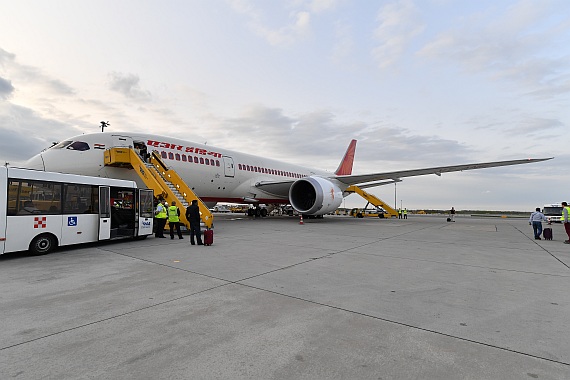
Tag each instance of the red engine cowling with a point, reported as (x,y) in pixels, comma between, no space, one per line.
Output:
(315,196)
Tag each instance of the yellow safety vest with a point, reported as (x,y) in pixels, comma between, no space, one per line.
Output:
(173,214)
(562,217)
(162,213)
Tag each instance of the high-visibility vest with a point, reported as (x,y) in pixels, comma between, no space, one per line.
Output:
(173,214)
(568,212)
(161,211)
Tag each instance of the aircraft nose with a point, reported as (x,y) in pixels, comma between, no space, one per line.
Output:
(36,162)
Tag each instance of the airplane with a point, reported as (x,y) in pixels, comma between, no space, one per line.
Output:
(221,175)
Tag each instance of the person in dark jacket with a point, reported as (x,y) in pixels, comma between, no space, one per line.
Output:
(193,217)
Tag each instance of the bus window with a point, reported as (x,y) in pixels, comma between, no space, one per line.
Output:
(13,188)
(33,197)
(78,199)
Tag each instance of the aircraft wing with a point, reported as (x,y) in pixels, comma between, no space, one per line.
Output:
(364,178)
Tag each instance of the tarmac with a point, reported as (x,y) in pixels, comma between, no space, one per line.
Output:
(336,298)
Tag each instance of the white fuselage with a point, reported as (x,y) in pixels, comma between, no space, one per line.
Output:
(214,174)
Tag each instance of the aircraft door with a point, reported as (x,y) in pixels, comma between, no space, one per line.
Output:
(146,211)
(229,169)
(122,141)
(104,213)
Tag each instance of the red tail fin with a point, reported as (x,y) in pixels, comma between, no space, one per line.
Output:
(345,167)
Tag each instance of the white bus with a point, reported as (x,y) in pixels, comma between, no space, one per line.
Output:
(553,212)
(40,211)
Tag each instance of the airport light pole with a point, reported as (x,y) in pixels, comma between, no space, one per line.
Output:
(395,197)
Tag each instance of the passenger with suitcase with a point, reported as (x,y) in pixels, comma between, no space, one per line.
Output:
(193,217)
(536,219)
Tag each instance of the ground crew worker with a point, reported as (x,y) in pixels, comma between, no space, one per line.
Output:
(566,220)
(405,213)
(161,216)
(174,220)
(399,213)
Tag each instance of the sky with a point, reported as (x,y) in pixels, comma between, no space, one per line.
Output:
(417,83)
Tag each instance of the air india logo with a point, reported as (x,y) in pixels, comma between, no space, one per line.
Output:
(40,222)
(332,194)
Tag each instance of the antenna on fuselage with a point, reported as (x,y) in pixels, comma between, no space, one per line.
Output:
(104,124)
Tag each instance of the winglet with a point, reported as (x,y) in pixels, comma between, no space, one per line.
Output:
(345,167)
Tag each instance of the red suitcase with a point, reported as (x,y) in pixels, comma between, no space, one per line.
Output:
(208,237)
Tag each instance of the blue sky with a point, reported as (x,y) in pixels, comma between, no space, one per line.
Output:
(418,83)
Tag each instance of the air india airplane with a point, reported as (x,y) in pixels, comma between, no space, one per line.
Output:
(221,175)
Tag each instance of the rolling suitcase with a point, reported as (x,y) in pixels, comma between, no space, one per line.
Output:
(547,233)
(208,237)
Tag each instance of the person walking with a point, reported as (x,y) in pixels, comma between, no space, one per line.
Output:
(536,219)
(174,220)
(452,214)
(193,217)
(566,221)
(161,216)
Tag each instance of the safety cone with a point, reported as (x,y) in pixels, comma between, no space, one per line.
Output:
(301,221)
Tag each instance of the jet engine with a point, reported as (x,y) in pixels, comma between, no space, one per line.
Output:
(315,196)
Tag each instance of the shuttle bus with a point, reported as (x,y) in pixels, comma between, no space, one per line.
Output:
(553,212)
(40,211)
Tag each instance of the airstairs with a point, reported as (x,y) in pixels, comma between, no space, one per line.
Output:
(163,180)
(372,199)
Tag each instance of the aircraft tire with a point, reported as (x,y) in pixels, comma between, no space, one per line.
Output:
(359,215)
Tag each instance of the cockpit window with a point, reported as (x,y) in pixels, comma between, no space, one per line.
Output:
(78,145)
(72,145)
(61,145)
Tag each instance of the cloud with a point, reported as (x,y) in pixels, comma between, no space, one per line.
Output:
(520,44)
(298,24)
(319,139)
(399,22)
(21,139)
(128,85)
(6,88)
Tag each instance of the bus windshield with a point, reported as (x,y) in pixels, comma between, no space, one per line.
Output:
(552,210)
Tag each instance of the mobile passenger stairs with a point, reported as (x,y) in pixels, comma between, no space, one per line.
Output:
(157,176)
(373,200)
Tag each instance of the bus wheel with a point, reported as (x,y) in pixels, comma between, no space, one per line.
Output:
(43,244)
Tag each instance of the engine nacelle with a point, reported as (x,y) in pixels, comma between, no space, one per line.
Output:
(315,196)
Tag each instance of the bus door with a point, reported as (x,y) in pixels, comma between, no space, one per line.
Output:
(146,212)
(229,169)
(122,141)
(104,213)
(3,206)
